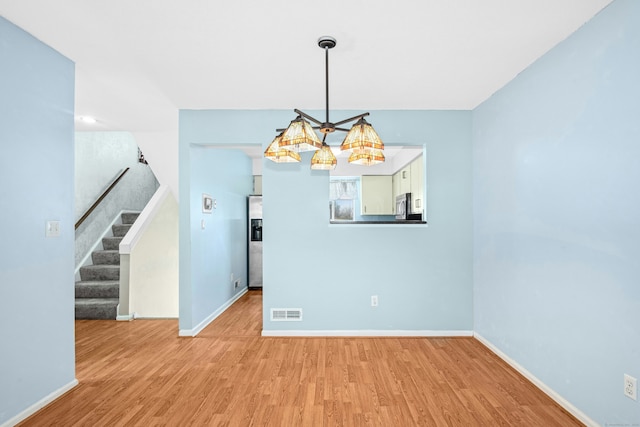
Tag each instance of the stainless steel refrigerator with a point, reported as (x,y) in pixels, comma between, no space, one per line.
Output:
(255,241)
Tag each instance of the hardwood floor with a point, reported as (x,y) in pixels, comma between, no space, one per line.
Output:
(142,373)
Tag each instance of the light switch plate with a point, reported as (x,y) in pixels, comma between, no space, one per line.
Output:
(52,229)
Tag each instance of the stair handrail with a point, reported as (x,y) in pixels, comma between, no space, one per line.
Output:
(99,200)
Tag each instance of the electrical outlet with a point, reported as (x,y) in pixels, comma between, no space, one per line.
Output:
(630,387)
(374,300)
(236,283)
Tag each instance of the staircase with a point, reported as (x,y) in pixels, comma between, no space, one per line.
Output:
(97,292)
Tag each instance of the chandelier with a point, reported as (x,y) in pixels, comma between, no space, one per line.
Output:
(362,141)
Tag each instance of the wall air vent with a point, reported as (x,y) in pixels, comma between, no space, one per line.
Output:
(286,314)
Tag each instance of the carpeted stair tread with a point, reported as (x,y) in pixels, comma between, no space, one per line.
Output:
(110,256)
(129,217)
(119,230)
(97,293)
(97,301)
(96,308)
(100,272)
(111,243)
(97,289)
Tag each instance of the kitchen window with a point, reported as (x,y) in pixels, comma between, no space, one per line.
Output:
(342,195)
(341,210)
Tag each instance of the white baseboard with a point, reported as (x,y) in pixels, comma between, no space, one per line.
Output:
(538,383)
(195,331)
(39,404)
(364,333)
(123,317)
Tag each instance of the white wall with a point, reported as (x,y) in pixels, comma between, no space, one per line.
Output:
(161,151)
(37,356)
(153,262)
(557,216)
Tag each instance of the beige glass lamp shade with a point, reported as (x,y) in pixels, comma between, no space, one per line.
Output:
(300,136)
(324,159)
(278,154)
(362,137)
(366,157)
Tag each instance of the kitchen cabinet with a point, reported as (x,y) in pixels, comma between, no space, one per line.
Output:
(395,182)
(376,195)
(257,184)
(410,179)
(404,180)
(417,185)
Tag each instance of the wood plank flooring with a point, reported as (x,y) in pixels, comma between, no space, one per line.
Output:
(141,373)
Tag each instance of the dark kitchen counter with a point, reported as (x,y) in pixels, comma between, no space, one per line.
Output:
(410,221)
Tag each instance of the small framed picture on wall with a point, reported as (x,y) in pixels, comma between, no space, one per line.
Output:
(207,203)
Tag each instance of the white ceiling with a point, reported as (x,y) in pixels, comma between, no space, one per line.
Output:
(137,62)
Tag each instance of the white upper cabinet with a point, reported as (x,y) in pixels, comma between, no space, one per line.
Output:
(377,195)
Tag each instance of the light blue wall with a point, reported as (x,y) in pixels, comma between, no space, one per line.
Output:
(36,273)
(209,256)
(422,275)
(557,216)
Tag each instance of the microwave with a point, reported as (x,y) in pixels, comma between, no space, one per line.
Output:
(403,208)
